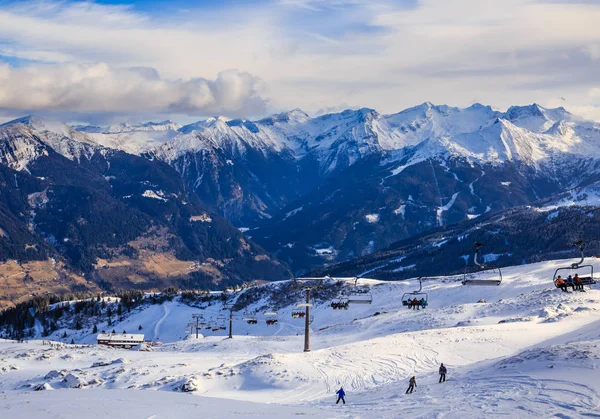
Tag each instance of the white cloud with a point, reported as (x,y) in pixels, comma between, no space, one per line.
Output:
(101,88)
(313,54)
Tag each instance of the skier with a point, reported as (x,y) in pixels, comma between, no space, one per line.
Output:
(415,304)
(341,394)
(443,371)
(578,283)
(570,282)
(411,385)
(560,283)
(423,302)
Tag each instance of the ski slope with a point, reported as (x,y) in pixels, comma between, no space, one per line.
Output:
(529,350)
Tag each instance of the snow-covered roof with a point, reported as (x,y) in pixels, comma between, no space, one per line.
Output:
(121,337)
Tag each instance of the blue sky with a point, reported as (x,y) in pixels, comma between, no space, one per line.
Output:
(104,60)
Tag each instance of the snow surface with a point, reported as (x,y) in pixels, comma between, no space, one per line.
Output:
(372,218)
(528,351)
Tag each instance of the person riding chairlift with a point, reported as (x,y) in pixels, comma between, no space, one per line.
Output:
(570,282)
(416,305)
(578,283)
(560,283)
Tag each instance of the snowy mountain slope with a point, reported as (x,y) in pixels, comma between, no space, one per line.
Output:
(132,138)
(89,207)
(513,354)
(310,151)
(335,140)
(552,225)
(422,168)
(427,120)
(26,139)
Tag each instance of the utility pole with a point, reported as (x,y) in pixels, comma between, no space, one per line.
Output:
(197,317)
(230,322)
(307,323)
(307,284)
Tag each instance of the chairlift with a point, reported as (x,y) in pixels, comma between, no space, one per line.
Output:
(249,317)
(359,295)
(302,315)
(587,279)
(421,297)
(480,273)
(339,303)
(271,317)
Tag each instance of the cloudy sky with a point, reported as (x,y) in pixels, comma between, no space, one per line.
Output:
(112,60)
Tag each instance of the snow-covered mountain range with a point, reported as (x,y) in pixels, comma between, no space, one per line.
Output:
(324,189)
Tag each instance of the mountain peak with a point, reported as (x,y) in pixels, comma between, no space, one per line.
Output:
(40,123)
(297,113)
(166,125)
(295,116)
(32,121)
(517,112)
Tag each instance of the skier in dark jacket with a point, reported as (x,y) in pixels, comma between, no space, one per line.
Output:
(341,394)
(570,282)
(443,371)
(411,385)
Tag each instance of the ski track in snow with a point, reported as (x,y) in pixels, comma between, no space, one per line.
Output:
(166,311)
(444,208)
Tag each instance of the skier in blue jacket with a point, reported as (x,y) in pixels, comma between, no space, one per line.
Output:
(341,394)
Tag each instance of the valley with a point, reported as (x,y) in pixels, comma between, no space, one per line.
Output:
(288,194)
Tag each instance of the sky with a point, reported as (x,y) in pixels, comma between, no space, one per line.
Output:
(110,60)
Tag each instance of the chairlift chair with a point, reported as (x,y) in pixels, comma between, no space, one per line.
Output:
(418,294)
(359,295)
(340,303)
(271,317)
(480,273)
(249,318)
(576,268)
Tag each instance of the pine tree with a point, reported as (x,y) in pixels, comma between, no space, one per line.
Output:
(64,336)
(72,341)
(140,327)
(95,330)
